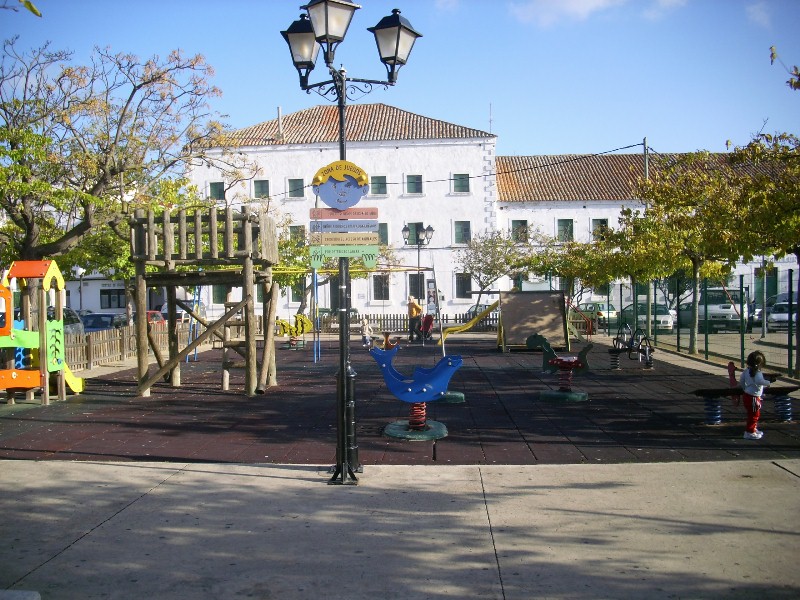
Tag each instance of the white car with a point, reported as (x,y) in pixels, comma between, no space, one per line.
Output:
(778,317)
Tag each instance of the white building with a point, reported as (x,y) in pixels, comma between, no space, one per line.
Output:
(422,172)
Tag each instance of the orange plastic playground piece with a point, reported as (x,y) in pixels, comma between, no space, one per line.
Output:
(20,379)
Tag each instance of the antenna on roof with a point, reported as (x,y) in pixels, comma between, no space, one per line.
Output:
(490,117)
(280,125)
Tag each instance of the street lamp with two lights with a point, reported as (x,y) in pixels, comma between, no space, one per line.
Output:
(323,27)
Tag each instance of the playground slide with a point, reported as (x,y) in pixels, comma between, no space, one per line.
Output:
(469,324)
(76,384)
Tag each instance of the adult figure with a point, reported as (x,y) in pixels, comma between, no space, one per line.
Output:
(414,319)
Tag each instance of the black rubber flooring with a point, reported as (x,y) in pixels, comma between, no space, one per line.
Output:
(632,415)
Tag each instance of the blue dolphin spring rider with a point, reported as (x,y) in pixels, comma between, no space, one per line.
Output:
(425,385)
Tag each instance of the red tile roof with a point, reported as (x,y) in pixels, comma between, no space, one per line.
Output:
(568,177)
(365,122)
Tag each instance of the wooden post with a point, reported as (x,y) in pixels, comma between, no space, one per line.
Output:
(172,336)
(140,300)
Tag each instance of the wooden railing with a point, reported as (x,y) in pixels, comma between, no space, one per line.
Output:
(112,345)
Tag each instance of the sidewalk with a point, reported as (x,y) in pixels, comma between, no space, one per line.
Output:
(211,531)
(197,493)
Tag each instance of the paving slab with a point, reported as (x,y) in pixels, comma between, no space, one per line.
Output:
(201,531)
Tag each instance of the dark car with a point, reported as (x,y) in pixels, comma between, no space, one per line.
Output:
(103,321)
(73,325)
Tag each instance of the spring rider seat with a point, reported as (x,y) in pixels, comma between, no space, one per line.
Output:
(425,385)
(565,366)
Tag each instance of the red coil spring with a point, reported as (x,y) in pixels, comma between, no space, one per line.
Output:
(565,378)
(418,417)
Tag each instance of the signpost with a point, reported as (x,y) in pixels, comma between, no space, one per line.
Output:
(343,231)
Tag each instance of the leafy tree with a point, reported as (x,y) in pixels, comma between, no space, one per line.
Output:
(794,73)
(492,255)
(692,216)
(81,146)
(768,170)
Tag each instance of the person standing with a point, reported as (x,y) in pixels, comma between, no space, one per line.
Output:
(366,333)
(753,383)
(414,319)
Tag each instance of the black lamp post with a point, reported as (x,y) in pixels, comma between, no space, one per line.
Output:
(423,237)
(325,26)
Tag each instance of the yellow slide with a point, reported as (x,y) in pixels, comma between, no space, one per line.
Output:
(76,384)
(469,324)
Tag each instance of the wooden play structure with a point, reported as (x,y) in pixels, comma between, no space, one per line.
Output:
(32,346)
(216,247)
(523,314)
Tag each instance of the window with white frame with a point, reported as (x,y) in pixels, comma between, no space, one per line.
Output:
(519,230)
(297,233)
(599,228)
(380,286)
(416,285)
(383,234)
(461,183)
(296,188)
(463,285)
(216,190)
(113,299)
(414,184)
(461,232)
(377,185)
(565,230)
(261,188)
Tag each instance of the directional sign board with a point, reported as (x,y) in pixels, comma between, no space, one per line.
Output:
(347,239)
(345,226)
(343,230)
(320,253)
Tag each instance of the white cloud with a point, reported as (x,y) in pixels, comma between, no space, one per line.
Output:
(446,5)
(661,7)
(758,13)
(545,13)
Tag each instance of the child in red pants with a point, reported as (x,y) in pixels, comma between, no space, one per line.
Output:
(753,383)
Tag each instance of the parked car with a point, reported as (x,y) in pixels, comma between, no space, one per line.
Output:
(723,311)
(778,317)
(601,311)
(782,297)
(181,315)
(662,317)
(73,325)
(755,313)
(476,309)
(102,321)
(153,316)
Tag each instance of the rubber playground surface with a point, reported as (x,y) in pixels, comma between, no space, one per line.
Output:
(632,415)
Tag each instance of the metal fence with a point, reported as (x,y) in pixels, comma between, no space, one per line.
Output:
(745,324)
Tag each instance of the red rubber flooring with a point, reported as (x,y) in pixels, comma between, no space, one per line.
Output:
(633,415)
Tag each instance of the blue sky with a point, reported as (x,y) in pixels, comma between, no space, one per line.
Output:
(546,76)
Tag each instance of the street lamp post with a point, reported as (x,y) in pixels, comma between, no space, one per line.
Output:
(324,27)
(423,236)
(80,272)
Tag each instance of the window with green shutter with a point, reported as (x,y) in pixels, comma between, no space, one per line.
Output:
(413,184)
(380,287)
(463,285)
(216,190)
(261,188)
(461,232)
(461,183)
(377,185)
(383,233)
(296,188)
(565,230)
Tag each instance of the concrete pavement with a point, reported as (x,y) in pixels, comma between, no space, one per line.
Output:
(197,531)
(684,528)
